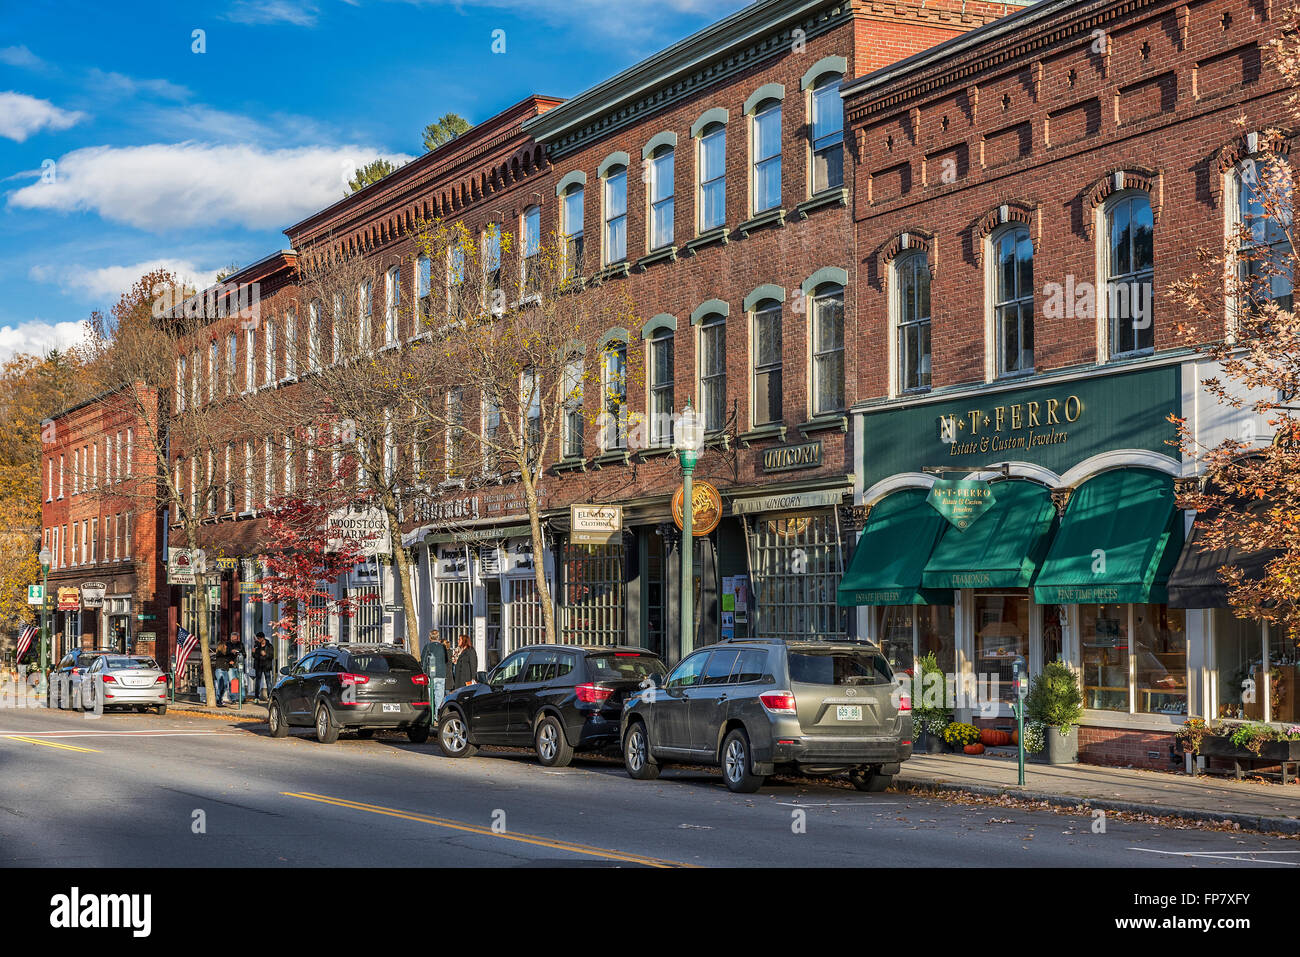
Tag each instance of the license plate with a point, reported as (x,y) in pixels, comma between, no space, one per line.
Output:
(848,712)
(392,707)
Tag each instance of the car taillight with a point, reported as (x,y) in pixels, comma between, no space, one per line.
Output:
(778,702)
(76,671)
(420,679)
(350,679)
(109,680)
(590,694)
(905,702)
(162,680)
(627,654)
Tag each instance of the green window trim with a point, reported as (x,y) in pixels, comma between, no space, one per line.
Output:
(827,64)
(662,321)
(569,179)
(617,334)
(827,274)
(717,114)
(666,138)
(618,158)
(768,91)
(709,307)
(765,291)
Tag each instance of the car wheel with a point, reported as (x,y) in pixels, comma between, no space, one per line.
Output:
(453,736)
(160,710)
(864,779)
(737,764)
(327,732)
(552,747)
(636,754)
(418,733)
(365,734)
(276,722)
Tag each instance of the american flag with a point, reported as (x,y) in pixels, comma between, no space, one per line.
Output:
(185,644)
(25,640)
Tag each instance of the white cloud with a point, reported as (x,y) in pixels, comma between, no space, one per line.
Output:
(111,84)
(37,337)
(168,186)
(300,14)
(22,115)
(109,282)
(20,56)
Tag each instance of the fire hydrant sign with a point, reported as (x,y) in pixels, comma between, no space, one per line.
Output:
(365,529)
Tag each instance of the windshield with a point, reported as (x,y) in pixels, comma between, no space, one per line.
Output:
(624,665)
(114,662)
(839,666)
(378,663)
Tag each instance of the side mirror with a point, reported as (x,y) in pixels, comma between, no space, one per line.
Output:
(481,677)
(284,670)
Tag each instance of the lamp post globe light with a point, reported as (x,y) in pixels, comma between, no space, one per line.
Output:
(45,598)
(688,441)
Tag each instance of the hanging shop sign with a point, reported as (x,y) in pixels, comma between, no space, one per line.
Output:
(961,502)
(706,508)
(183,564)
(787,458)
(360,528)
(69,599)
(1054,426)
(595,524)
(92,595)
(250,588)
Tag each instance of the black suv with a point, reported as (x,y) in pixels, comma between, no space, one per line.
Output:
(352,688)
(557,698)
(756,707)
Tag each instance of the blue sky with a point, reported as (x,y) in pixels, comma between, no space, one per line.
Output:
(122,149)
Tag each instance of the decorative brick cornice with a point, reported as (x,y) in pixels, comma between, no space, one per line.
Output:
(1150,181)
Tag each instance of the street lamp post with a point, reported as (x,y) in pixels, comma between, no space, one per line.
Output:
(45,632)
(689,441)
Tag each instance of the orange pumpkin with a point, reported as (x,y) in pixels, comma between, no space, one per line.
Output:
(975,748)
(995,738)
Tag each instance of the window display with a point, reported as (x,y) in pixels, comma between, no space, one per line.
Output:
(1134,658)
(1001,635)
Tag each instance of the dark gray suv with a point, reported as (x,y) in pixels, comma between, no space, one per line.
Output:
(762,706)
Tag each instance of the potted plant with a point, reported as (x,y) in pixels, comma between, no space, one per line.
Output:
(1035,741)
(1056,701)
(958,735)
(929,715)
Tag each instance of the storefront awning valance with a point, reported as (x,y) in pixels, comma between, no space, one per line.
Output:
(1003,548)
(1195,581)
(1117,543)
(899,536)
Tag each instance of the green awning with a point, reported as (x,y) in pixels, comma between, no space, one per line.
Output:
(1118,541)
(1003,547)
(896,543)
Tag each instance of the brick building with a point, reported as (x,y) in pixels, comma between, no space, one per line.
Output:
(101,524)
(1024,195)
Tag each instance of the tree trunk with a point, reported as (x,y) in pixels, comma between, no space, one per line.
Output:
(402,563)
(539,559)
(205,641)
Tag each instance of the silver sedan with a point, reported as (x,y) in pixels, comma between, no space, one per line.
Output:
(124,681)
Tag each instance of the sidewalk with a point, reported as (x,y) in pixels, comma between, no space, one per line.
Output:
(1253,806)
(251,711)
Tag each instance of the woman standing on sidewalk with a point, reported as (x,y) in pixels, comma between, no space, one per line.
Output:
(464,662)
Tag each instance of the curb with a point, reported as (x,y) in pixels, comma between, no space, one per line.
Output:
(1248,822)
(232,716)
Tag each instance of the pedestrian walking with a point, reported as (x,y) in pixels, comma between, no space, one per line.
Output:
(234,665)
(220,676)
(464,662)
(435,660)
(263,666)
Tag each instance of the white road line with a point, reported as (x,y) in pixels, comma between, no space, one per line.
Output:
(1223,855)
(841,804)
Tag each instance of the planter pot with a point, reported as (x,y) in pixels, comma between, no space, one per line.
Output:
(1062,750)
(1214,746)
(1036,757)
(935,744)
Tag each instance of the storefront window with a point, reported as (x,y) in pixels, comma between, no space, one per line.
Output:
(1256,670)
(797,567)
(906,632)
(1001,635)
(1283,675)
(594,579)
(1104,635)
(1155,638)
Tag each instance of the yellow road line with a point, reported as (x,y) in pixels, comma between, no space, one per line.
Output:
(51,744)
(488,832)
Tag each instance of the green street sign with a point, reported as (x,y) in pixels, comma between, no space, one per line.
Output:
(35,594)
(961,502)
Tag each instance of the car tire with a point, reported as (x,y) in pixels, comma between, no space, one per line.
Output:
(327,732)
(638,761)
(552,747)
(453,736)
(864,779)
(738,764)
(365,734)
(276,722)
(418,733)
(160,710)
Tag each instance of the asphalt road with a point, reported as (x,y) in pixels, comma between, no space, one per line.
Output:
(138,790)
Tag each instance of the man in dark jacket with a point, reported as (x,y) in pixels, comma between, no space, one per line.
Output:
(263,665)
(220,674)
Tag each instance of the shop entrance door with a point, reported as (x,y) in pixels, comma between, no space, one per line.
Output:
(492,586)
(1001,635)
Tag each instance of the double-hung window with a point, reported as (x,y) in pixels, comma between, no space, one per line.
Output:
(911,304)
(767,363)
(455,432)
(363,317)
(313,335)
(713,372)
(573,230)
(1129,273)
(614,382)
(766,151)
(828,350)
(713,177)
(615,214)
(423,292)
(392,302)
(573,422)
(1013,301)
(532,248)
(661,388)
(269,371)
(290,344)
(492,257)
(232,362)
(661,198)
(827,133)
(1264,205)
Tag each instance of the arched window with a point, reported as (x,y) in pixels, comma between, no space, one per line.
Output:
(911,306)
(1263,210)
(713,176)
(661,388)
(827,134)
(767,363)
(766,152)
(1012,260)
(1129,273)
(828,349)
(615,214)
(713,371)
(661,197)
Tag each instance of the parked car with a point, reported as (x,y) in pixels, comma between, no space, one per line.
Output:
(356,687)
(762,706)
(123,681)
(556,698)
(64,685)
